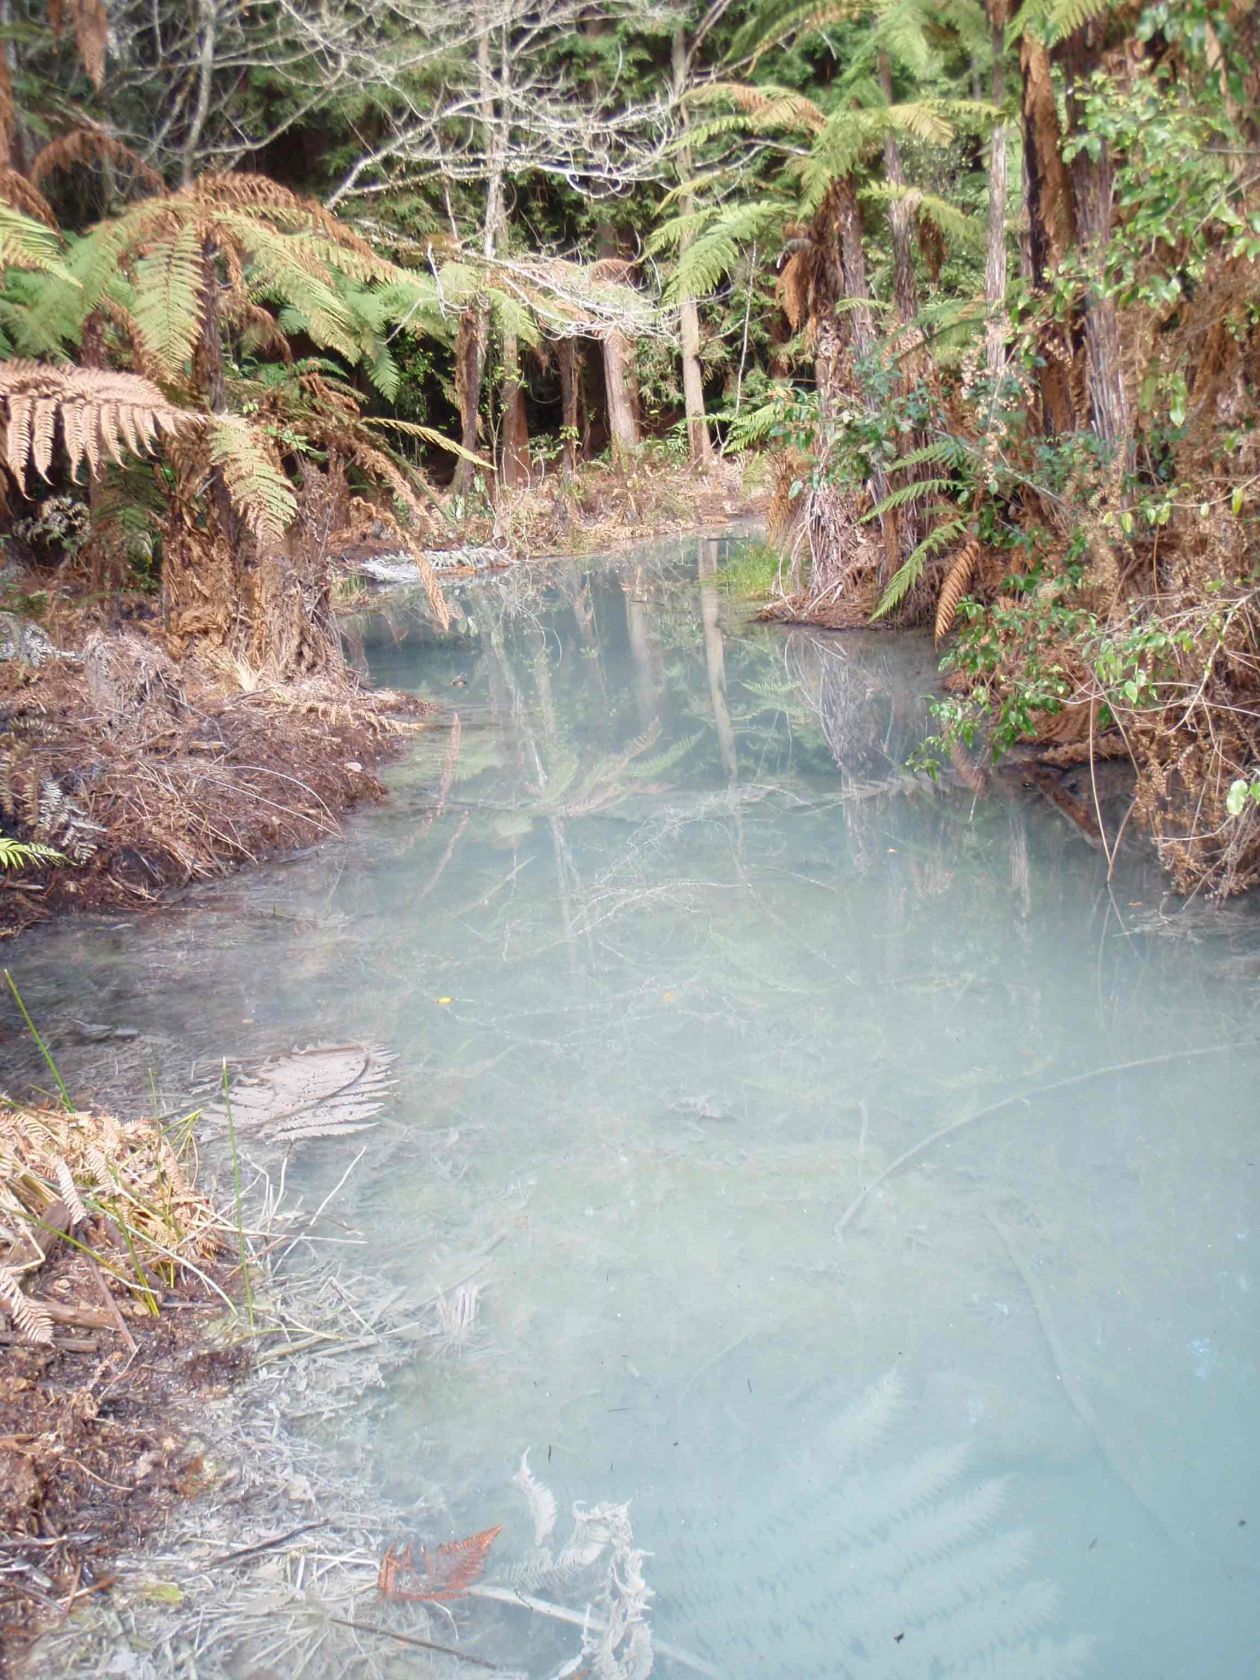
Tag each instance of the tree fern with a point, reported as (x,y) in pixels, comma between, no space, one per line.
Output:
(1054,20)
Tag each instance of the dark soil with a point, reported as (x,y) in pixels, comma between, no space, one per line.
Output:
(94,1435)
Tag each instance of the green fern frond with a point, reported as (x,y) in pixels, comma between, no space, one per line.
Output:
(955,224)
(28,244)
(718,249)
(426,434)
(902,33)
(383,371)
(675,231)
(910,571)
(513,317)
(948,451)
(167,302)
(918,490)
(21,854)
(260,492)
(1054,20)
(773,24)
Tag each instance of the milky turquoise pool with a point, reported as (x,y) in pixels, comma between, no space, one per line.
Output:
(678,959)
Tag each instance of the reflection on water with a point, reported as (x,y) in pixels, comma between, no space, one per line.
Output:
(679,961)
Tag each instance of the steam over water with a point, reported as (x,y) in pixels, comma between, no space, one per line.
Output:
(678,960)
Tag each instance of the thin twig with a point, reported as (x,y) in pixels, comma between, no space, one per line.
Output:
(920,1148)
(410,1639)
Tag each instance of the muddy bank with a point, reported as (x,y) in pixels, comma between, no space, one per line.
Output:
(146,772)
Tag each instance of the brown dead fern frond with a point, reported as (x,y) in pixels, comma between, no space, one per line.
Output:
(88,145)
(16,190)
(957,579)
(283,208)
(91,32)
(100,413)
(30,1319)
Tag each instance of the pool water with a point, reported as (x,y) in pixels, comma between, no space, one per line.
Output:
(830,1163)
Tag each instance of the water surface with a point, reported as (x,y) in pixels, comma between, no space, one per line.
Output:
(678,960)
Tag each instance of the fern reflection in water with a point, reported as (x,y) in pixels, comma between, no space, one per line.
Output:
(849,1568)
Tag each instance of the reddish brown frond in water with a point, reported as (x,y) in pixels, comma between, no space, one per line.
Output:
(444,1574)
(452,1569)
(387,1574)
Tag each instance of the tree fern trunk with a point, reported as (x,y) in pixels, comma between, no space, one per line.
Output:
(470,354)
(995,328)
(1051,221)
(857,288)
(1093,182)
(905,292)
(514,466)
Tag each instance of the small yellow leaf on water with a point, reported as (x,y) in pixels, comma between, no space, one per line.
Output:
(446,1000)
(668,997)
(165,1592)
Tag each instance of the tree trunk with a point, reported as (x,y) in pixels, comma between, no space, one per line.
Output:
(689,315)
(470,356)
(905,292)
(1093,185)
(514,466)
(1051,224)
(623,419)
(473,334)
(568,357)
(995,327)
